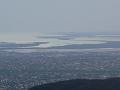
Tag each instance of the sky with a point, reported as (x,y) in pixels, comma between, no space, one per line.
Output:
(54,16)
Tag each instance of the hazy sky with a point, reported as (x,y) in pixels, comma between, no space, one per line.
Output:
(60,15)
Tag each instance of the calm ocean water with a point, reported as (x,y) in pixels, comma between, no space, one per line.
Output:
(55,39)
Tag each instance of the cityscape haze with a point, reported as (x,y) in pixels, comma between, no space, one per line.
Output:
(46,41)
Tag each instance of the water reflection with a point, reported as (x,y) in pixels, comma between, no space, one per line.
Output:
(55,40)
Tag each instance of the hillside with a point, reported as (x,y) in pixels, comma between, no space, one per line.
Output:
(82,84)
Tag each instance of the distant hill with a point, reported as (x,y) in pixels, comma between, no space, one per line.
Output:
(82,84)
